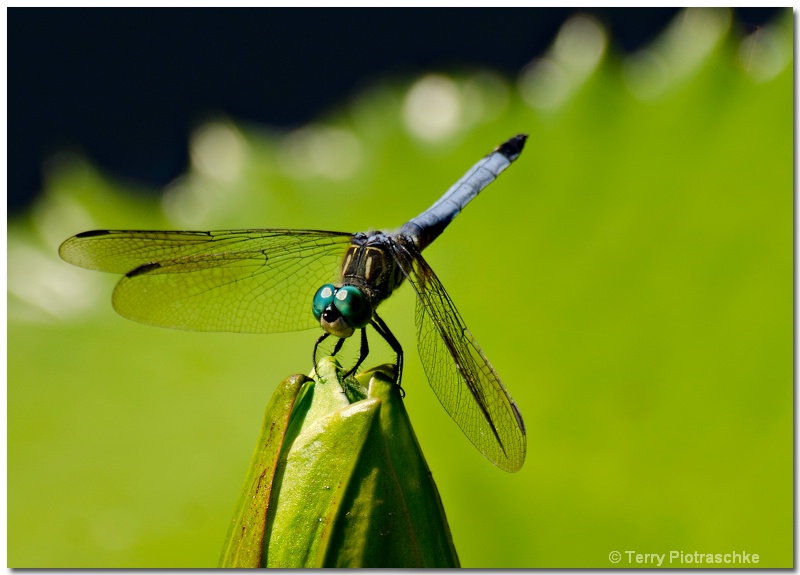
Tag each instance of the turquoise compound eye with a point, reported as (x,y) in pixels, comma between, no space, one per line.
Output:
(354,307)
(322,299)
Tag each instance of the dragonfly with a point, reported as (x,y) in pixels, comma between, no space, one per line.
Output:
(279,280)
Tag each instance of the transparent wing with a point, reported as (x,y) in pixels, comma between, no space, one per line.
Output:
(458,371)
(255,281)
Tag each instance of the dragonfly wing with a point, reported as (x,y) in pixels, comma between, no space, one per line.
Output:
(254,281)
(458,371)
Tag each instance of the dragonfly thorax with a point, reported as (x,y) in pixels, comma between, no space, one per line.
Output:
(370,266)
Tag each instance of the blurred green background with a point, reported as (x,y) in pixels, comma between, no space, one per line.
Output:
(630,278)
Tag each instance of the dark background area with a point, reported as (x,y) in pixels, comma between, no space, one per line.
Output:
(126,86)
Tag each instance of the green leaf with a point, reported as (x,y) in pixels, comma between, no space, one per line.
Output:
(350,488)
(243,545)
(393,515)
(325,439)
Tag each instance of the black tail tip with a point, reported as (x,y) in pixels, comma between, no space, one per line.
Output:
(513,147)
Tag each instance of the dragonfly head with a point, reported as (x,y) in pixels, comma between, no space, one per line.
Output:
(340,311)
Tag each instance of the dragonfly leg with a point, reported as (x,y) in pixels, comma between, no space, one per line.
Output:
(362,354)
(384,331)
(322,338)
(338,347)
